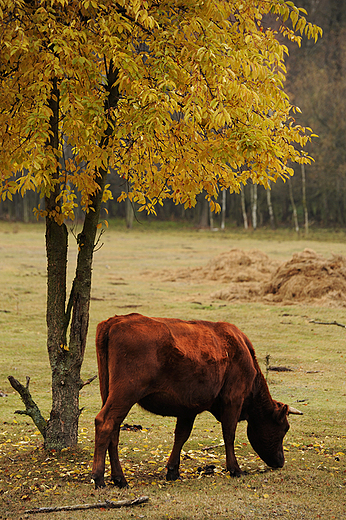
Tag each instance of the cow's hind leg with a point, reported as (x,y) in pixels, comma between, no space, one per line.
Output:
(103,433)
(107,426)
(117,474)
(182,433)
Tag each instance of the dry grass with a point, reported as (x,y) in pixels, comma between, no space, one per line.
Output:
(312,483)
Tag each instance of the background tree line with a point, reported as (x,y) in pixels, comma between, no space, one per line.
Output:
(316,82)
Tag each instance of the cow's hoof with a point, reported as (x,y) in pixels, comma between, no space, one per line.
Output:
(237,473)
(120,482)
(172,474)
(99,482)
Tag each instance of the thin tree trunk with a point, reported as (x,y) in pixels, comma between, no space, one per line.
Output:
(26,209)
(243,208)
(129,210)
(254,206)
(128,214)
(223,209)
(270,207)
(204,215)
(294,209)
(306,217)
(211,219)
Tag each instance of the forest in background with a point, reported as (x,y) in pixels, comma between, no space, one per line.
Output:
(316,83)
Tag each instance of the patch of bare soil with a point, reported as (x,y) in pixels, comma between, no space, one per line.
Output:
(252,276)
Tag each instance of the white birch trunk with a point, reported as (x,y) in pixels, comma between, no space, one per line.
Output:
(306,216)
(270,207)
(243,208)
(223,209)
(294,209)
(254,206)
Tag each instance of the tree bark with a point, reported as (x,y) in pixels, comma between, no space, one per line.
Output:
(254,206)
(223,209)
(129,211)
(61,426)
(270,208)
(306,217)
(243,208)
(31,408)
(211,219)
(204,215)
(294,209)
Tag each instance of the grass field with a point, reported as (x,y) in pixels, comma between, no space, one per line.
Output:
(312,483)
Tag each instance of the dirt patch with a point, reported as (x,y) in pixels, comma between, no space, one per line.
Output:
(252,276)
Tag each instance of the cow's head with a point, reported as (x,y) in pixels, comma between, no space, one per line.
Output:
(266,432)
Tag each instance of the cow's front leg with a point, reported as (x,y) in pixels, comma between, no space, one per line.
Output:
(181,434)
(229,423)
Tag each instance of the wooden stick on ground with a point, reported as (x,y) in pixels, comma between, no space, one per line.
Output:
(328,323)
(206,448)
(108,504)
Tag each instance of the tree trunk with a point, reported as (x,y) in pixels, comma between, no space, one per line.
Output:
(204,216)
(211,219)
(61,426)
(306,217)
(129,210)
(223,209)
(254,206)
(270,207)
(66,360)
(294,209)
(243,208)
(26,209)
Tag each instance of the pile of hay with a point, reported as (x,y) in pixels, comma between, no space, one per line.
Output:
(252,276)
(242,272)
(233,266)
(245,272)
(309,278)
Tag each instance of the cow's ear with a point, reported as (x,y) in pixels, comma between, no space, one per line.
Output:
(280,411)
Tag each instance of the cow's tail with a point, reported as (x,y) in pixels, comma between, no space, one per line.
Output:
(102,332)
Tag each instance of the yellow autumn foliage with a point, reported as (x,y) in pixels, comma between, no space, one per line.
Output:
(201,102)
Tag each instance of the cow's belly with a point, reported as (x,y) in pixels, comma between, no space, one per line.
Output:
(168,405)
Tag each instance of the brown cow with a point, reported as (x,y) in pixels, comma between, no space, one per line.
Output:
(181,368)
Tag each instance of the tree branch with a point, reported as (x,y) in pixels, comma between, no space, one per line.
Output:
(87,382)
(31,407)
(108,504)
(328,323)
